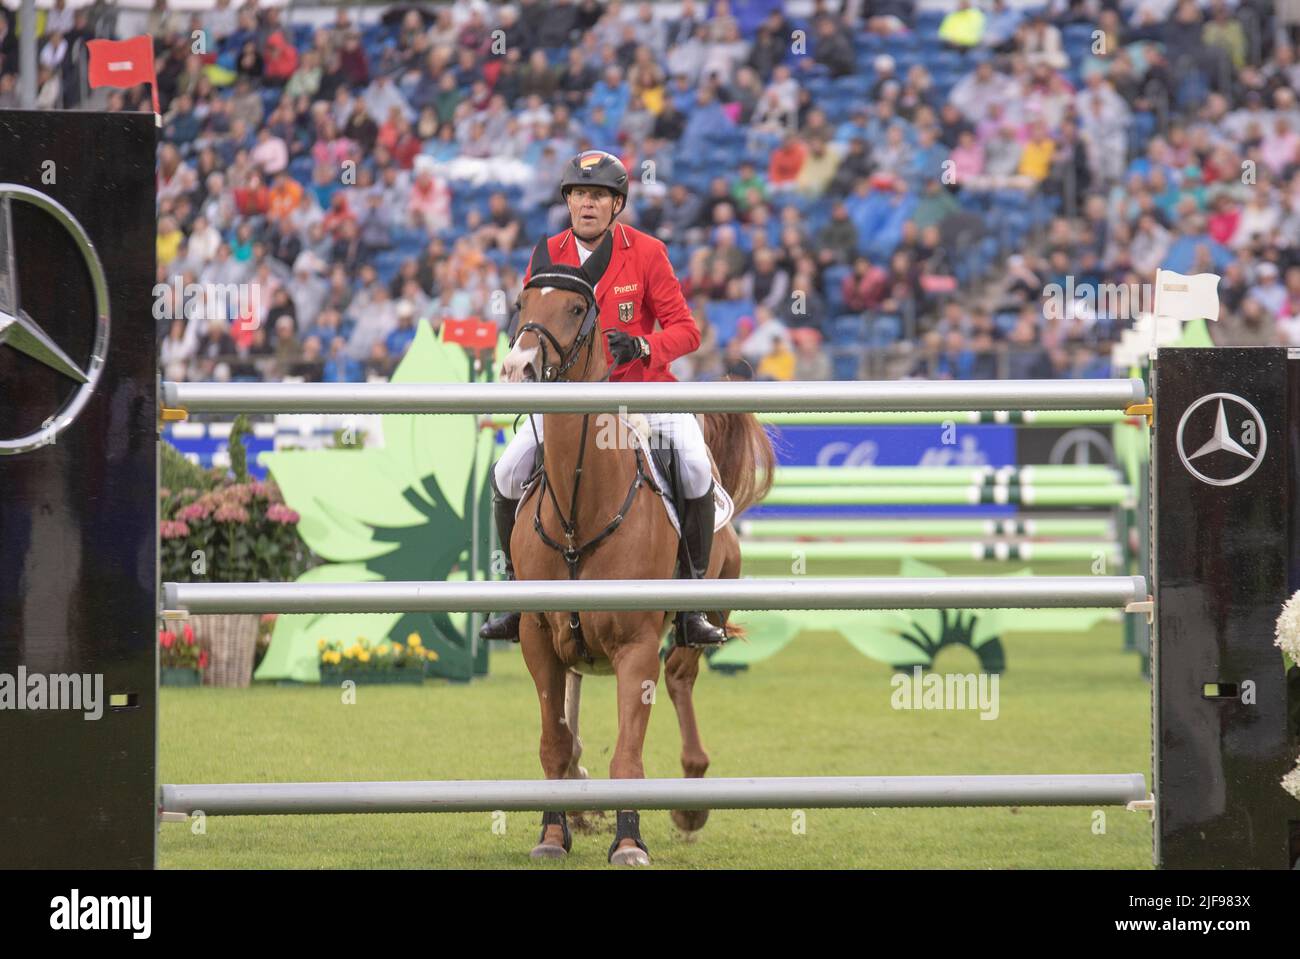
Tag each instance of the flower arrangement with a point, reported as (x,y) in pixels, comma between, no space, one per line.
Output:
(361,655)
(1287,639)
(234,533)
(180,651)
(227,528)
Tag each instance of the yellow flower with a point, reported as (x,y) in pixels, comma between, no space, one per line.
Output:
(413,641)
(430,655)
(383,650)
(334,657)
(364,657)
(320,644)
(350,654)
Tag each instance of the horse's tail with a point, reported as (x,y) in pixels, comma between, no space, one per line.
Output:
(743,452)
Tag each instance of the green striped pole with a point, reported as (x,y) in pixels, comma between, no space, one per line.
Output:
(1058,496)
(945,475)
(894,528)
(785,551)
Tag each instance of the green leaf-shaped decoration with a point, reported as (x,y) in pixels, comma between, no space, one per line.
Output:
(399,512)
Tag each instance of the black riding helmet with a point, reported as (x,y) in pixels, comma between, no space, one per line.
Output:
(595,168)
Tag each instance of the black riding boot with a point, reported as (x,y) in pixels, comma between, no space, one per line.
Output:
(697,542)
(506,625)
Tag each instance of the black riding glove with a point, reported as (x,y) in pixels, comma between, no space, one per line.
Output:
(625,348)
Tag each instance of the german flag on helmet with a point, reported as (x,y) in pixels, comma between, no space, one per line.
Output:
(595,168)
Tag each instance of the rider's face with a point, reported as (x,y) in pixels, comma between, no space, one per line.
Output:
(591,210)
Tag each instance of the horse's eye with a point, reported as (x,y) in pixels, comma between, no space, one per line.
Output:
(575,310)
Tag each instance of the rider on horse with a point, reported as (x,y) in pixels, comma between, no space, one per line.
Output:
(638,290)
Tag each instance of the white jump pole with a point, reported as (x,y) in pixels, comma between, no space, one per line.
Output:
(722,397)
(972,592)
(786,792)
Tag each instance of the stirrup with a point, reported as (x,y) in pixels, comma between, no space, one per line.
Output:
(505,626)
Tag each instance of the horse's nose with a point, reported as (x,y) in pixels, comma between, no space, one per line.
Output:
(520,365)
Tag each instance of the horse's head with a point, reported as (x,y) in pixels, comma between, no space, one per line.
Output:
(559,324)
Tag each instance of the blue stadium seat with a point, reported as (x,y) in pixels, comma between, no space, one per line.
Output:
(886,329)
(519,259)
(300,169)
(846,362)
(724,316)
(849,329)
(832,283)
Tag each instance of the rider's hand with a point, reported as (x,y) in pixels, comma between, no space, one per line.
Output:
(624,348)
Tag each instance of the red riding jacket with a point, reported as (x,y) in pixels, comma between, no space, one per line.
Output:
(638,289)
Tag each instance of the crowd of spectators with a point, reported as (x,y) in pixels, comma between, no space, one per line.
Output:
(867,189)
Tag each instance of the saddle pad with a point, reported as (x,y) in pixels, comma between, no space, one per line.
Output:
(723,507)
(638,426)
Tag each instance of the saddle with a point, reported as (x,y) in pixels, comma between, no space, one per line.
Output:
(663,464)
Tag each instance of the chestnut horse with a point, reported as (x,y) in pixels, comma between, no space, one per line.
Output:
(557,325)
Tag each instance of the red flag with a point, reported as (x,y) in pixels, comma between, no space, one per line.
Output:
(472,334)
(123,63)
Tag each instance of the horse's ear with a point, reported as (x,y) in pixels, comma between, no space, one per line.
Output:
(598,262)
(541,257)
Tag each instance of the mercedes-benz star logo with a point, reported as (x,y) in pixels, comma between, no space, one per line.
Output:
(1224,433)
(22,333)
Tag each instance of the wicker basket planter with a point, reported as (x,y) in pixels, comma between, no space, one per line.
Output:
(231,640)
(179,676)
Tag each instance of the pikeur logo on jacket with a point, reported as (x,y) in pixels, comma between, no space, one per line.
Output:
(638,295)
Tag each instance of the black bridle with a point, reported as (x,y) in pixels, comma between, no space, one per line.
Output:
(550,372)
(581,280)
(584,284)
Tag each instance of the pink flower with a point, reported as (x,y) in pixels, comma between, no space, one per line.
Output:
(173,529)
(259,489)
(167,638)
(163,492)
(231,514)
(199,510)
(238,495)
(188,632)
(279,513)
(203,659)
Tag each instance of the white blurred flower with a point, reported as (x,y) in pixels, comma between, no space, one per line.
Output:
(1291,782)
(1288,628)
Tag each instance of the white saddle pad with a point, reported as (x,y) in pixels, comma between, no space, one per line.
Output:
(722,505)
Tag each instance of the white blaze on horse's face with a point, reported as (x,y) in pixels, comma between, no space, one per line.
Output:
(518,366)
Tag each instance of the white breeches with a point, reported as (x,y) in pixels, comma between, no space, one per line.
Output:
(681,430)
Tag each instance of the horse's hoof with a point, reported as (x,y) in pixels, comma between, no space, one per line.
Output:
(547,851)
(689,821)
(629,856)
(582,772)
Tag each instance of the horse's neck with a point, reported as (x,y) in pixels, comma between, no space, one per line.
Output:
(607,468)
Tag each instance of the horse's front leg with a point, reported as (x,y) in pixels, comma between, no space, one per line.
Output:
(557,742)
(636,666)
